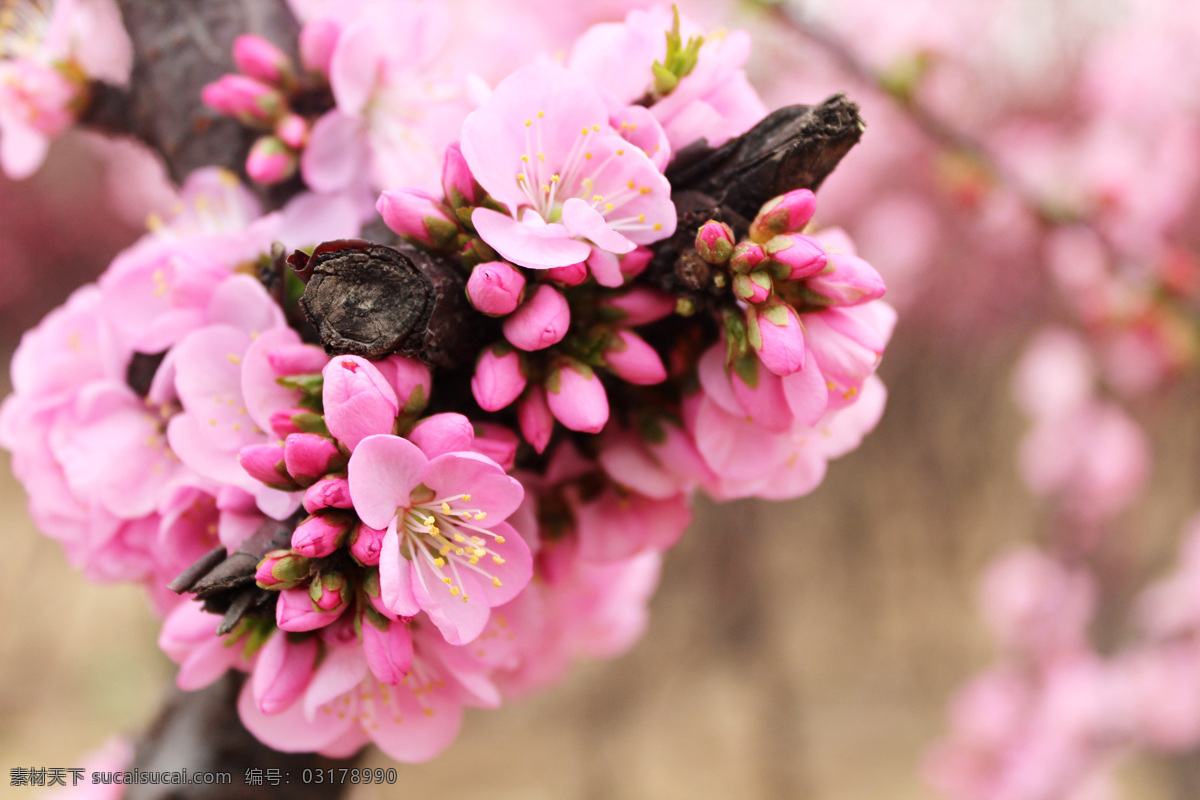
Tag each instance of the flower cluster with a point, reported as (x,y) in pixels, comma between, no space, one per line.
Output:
(399,536)
(50,52)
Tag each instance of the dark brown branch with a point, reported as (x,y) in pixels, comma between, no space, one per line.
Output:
(200,731)
(179,47)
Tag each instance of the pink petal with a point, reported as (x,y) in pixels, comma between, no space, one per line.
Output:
(585,222)
(395,579)
(336,155)
(514,574)
(806,392)
(533,246)
(412,731)
(470,473)
(383,475)
(443,433)
(459,621)
(289,731)
(341,670)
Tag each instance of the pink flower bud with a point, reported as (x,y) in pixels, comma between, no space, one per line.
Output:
(365,544)
(389,652)
(571,275)
(283,421)
(251,102)
(419,217)
(281,569)
(358,400)
(634,263)
(309,456)
(258,58)
(321,534)
(265,462)
(714,242)
(788,213)
(317,42)
(457,181)
(411,381)
(270,161)
(495,288)
(800,255)
(576,397)
(294,611)
(630,358)
(296,359)
(753,287)
(328,493)
(775,332)
(293,131)
(330,592)
(850,282)
(541,321)
(534,417)
(442,433)
(746,256)
(498,378)
(639,305)
(497,442)
(282,671)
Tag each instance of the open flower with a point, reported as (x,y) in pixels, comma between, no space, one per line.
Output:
(543,147)
(447,550)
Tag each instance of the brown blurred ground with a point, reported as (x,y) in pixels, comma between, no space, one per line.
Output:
(796,650)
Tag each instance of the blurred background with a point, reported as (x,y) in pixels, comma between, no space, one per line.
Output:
(807,649)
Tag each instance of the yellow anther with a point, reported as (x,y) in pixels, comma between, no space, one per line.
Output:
(525,158)
(481,515)
(597,198)
(499,540)
(445,580)
(445,507)
(429,711)
(588,156)
(545,188)
(658,226)
(459,551)
(528,122)
(541,156)
(445,550)
(621,152)
(631,185)
(583,132)
(632,127)
(641,217)
(473,560)
(608,206)
(466,498)
(496,583)
(439,562)
(234,358)
(498,559)
(454,591)
(554,178)
(644,190)
(596,128)
(154,221)
(212,422)
(464,598)
(458,537)
(541,114)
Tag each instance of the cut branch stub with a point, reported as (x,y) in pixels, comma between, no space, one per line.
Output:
(366,299)
(795,147)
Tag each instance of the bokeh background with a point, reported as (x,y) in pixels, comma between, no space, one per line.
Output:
(805,649)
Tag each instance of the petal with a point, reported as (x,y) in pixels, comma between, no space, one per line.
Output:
(536,247)
(336,155)
(411,731)
(484,480)
(460,616)
(806,392)
(342,669)
(395,577)
(514,574)
(289,731)
(383,472)
(585,222)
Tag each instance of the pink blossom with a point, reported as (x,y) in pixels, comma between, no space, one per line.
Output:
(788,213)
(777,336)
(282,671)
(629,357)
(498,379)
(259,58)
(534,417)
(358,400)
(576,397)
(419,217)
(320,535)
(447,543)
(495,288)
(543,148)
(296,611)
(542,320)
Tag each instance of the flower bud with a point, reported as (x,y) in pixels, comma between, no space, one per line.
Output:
(576,397)
(410,379)
(775,332)
(282,671)
(498,378)
(630,358)
(330,592)
(258,58)
(389,651)
(850,282)
(266,463)
(788,213)
(309,456)
(571,275)
(534,417)
(457,181)
(281,569)
(714,242)
(419,218)
(293,131)
(634,262)
(287,421)
(746,256)
(541,321)
(327,493)
(497,442)
(638,305)
(800,256)
(365,544)
(754,287)
(295,611)
(296,359)
(442,433)
(495,288)
(251,102)
(317,42)
(321,534)
(270,161)
(358,400)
